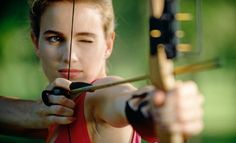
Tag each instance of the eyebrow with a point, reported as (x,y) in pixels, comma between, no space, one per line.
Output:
(52,32)
(86,34)
(78,34)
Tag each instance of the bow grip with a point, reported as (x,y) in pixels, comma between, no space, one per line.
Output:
(54,91)
(62,91)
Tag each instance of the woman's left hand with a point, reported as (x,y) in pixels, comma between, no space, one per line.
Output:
(179,110)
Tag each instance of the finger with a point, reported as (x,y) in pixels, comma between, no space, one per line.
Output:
(159,98)
(171,128)
(189,103)
(60,82)
(165,120)
(60,120)
(190,115)
(186,89)
(61,100)
(60,110)
(165,114)
(192,128)
(43,110)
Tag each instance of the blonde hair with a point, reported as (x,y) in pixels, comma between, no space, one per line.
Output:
(38,7)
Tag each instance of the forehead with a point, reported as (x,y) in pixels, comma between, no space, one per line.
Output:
(58,16)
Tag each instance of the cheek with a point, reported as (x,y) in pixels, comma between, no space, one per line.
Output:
(48,57)
(95,59)
(46,52)
(48,62)
(95,52)
(99,56)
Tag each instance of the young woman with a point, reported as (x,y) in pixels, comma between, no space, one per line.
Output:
(79,54)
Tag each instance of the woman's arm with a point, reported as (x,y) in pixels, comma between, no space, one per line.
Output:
(31,118)
(16,118)
(109,103)
(181,109)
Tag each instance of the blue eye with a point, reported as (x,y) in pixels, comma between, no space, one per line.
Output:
(55,39)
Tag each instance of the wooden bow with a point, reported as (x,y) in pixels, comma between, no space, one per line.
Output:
(163,48)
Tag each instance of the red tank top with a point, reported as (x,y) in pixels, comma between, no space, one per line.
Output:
(78,129)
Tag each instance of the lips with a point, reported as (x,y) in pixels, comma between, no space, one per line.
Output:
(72,73)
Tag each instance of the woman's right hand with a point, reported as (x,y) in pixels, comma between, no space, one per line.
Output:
(61,109)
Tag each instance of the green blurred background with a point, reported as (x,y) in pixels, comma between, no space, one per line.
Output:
(21,75)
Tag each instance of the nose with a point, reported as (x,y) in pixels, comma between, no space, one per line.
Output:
(68,54)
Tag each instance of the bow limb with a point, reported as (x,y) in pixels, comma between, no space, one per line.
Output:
(162,41)
(161,70)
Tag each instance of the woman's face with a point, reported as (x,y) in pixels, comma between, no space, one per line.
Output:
(90,46)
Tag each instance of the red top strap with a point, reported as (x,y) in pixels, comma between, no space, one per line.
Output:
(135,137)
